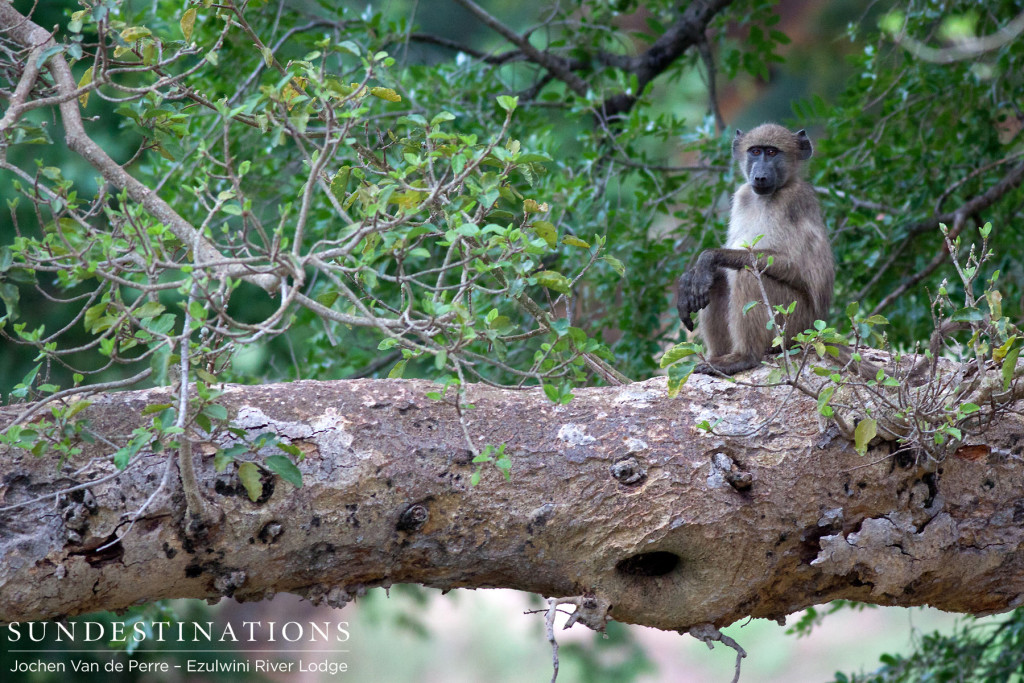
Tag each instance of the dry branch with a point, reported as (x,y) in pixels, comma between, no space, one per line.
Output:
(615,496)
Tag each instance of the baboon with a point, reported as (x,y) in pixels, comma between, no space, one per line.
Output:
(793,255)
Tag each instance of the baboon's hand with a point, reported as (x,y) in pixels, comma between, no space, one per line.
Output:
(693,292)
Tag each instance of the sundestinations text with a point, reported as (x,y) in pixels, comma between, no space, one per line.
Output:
(179,631)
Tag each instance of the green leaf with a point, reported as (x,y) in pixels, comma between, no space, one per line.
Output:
(891,22)
(221,460)
(508,102)
(398,370)
(553,280)
(78,407)
(134,33)
(969,408)
(216,412)
(1009,366)
(250,476)
(677,376)
(866,430)
(10,295)
(824,396)
(617,265)
(284,468)
(47,53)
(547,231)
(677,352)
(575,242)
(339,183)
(967,315)
(386,94)
(441,118)
(150,309)
(188,23)
(85,80)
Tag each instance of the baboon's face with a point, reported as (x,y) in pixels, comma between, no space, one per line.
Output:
(766,169)
(770,156)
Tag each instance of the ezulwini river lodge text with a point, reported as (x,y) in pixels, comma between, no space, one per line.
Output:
(192,666)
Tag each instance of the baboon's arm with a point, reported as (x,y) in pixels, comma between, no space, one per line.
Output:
(693,290)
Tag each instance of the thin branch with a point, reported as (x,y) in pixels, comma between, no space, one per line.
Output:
(709,65)
(967,48)
(1009,182)
(975,205)
(440,41)
(555,65)
(936,261)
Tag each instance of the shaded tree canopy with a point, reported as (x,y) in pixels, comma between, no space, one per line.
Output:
(498,198)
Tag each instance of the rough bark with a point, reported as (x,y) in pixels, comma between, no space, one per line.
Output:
(616,496)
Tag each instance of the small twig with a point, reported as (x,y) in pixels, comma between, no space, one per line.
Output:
(168,467)
(708,633)
(87,390)
(549,629)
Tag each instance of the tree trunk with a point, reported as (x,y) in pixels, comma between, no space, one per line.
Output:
(616,496)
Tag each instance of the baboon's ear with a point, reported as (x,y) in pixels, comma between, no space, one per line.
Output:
(803,144)
(736,143)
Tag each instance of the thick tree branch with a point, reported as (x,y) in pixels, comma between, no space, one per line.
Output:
(615,496)
(686,32)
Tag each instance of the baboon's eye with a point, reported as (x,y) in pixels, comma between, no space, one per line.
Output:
(755,151)
(770,151)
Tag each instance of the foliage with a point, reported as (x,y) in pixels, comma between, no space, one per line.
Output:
(973,652)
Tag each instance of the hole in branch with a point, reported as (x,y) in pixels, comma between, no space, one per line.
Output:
(657,563)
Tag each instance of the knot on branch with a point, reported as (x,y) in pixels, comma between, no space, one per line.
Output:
(75,511)
(230,581)
(724,469)
(334,596)
(629,471)
(270,532)
(413,518)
